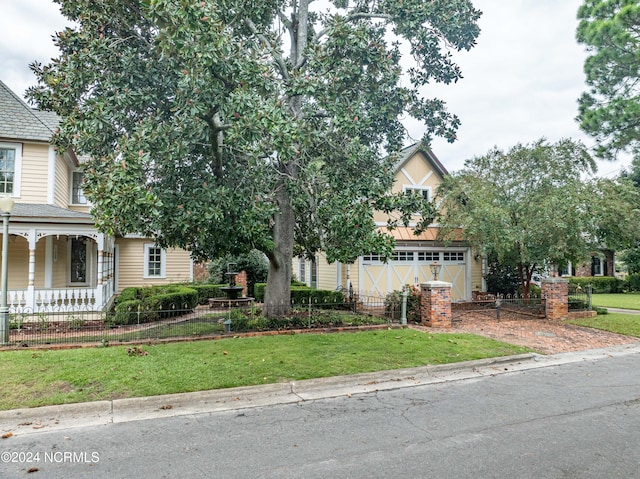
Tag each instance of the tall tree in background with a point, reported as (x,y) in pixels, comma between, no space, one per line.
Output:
(534,204)
(225,125)
(610,111)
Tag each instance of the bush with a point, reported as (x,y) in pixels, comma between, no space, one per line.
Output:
(258,291)
(303,294)
(206,291)
(600,284)
(393,302)
(153,303)
(633,282)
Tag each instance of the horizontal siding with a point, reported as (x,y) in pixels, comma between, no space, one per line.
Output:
(35,167)
(62,191)
(131,265)
(326,273)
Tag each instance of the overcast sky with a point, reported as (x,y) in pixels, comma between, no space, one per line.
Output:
(521,82)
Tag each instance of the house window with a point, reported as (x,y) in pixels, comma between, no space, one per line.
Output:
(596,266)
(10,161)
(77,192)
(302,270)
(154,261)
(314,273)
(78,261)
(372,257)
(425,192)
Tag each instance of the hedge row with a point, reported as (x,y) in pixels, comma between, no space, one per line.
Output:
(303,294)
(144,305)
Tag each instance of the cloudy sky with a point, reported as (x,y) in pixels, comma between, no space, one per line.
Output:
(521,82)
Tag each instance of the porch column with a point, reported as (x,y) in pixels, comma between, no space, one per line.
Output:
(435,304)
(31,288)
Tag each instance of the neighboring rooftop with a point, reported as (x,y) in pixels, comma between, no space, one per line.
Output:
(411,150)
(18,121)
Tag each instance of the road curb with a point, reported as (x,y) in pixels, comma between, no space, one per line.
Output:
(48,418)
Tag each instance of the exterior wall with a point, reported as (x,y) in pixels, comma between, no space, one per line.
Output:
(62,191)
(35,168)
(327,273)
(130,265)
(477,281)
(18,263)
(415,172)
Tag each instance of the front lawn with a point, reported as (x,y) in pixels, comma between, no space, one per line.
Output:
(627,324)
(620,300)
(30,378)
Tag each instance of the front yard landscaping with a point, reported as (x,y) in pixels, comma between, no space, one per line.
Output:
(619,300)
(31,378)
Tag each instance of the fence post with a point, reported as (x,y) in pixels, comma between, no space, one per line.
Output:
(435,304)
(555,292)
(589,291)
(403,317)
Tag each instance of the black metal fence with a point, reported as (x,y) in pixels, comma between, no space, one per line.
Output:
(580,297)
(59,327)
(499,307)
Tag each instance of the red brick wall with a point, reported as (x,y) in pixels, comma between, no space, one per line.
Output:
(435,304)
(555,291)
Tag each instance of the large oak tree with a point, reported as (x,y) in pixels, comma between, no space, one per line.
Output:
(226,125)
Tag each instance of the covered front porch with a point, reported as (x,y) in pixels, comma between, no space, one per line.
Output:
(58,266)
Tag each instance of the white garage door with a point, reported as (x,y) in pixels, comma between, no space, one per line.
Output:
(411,266)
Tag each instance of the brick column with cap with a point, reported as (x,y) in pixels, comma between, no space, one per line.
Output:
(555,292)
(435,304)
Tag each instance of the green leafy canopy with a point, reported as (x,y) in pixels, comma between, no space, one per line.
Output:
(610,110)
(221,126)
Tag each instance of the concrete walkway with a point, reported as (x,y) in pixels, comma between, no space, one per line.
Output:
(54,418)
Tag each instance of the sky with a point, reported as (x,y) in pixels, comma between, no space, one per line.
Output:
(521,81)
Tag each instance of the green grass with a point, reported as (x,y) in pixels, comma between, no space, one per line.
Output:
(36,378)
(620,300)
(627,324)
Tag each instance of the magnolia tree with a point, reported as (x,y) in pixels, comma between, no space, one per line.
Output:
(225,125)
(538,204)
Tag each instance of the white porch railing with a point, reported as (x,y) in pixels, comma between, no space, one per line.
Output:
(59,299)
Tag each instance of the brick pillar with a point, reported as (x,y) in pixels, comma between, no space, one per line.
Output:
(435,304)
(555,291)
(241,280)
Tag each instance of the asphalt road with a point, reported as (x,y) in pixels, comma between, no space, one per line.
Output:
(559,420)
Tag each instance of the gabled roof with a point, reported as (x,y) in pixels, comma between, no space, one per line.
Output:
(18,121)
(409,151)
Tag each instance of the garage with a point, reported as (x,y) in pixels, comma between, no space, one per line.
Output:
(411,266)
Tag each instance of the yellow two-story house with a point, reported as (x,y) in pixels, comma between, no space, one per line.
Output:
(418,171)
(57,259)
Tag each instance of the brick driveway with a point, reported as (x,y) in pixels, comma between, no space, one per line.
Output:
(544,336)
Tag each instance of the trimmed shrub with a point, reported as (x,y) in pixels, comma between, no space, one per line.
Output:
(258,291)
(303,294)
(600,284)
(206,291)
(633,282)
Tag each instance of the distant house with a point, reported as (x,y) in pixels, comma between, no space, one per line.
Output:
(601,264)
(418,172)
(58,260)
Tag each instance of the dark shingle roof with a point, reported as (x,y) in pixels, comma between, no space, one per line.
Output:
(18,121)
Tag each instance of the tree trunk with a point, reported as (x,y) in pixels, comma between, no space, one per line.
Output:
(277,298)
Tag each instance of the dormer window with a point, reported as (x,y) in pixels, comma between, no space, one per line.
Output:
(77,192)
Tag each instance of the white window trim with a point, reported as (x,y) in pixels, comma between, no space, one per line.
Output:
(71,202)
(163,262)
(406,188)
(17,174)
(601,264)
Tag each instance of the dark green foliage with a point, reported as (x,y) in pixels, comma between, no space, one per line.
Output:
(206,291)
(254,264)
(143,305)
(206,130)
(609,111)
(393,303)
(633,282)
(258,291)
(600,284)
(301,295)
